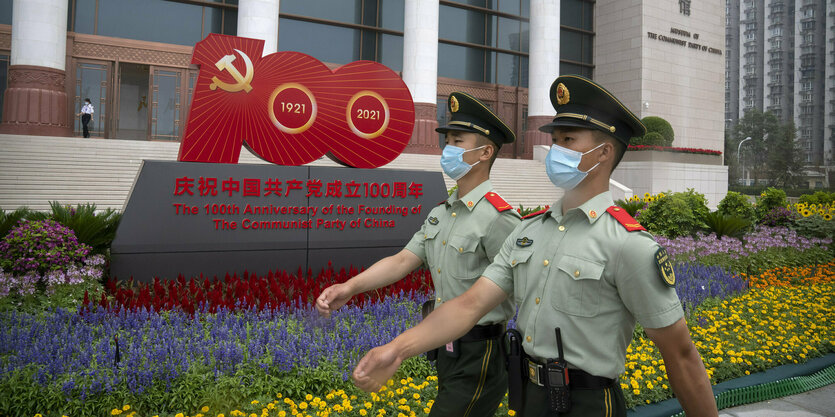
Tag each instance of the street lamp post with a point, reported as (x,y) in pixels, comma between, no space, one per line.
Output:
(738,148)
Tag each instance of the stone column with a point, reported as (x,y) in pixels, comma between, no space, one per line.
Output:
(420,71)
(36,100)
(258,19)
(544,67)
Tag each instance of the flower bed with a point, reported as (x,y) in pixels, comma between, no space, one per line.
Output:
(234,363)
(273,290)
(673,149)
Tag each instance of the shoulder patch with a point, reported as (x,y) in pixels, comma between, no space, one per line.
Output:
(665,267)
(497,201)
(625,219)
(534,214)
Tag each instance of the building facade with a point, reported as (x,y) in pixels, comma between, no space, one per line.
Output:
(781,52)
(132,59)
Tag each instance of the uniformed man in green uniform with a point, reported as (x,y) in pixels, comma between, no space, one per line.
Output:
(583,266)
(458,240)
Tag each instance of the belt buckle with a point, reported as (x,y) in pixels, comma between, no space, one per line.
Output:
(533,372)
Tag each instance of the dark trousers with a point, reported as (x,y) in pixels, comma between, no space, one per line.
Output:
(474,383)
(607,402)
(85,120)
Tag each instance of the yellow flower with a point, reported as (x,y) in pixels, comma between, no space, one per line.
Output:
(254,402)
(179,415)
(511,413)
(125,407)
(115,412)
(636,391)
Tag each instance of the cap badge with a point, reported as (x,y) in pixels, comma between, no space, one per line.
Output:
(563,95)
(453,104)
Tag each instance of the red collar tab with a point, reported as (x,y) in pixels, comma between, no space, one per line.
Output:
(534,214)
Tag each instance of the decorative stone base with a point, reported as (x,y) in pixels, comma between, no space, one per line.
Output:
(36,102)
(424,137)
(533,137)
(657,176)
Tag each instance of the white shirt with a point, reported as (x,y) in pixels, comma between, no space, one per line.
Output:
(87,109)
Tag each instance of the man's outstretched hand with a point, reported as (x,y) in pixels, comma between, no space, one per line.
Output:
(376,368)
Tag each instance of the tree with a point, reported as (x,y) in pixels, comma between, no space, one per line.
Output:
(753,155)
(784,163)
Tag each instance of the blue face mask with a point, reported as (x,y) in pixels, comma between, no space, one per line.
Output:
(561,166)
(452,161)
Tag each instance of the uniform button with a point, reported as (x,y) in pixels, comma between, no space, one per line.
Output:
(576,273)
(444,242)
(453,214)
(537,300)
(514,262)
(439,270)
(545,262)
(528,339)
(460,250)
(438,299)
(424,236)
(616,209)
(562,228)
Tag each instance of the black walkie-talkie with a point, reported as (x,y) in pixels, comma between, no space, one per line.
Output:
(559,396)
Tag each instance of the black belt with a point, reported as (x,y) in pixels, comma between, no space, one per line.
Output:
(577,379)
(485,332)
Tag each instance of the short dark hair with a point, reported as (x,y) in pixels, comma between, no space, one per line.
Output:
(88,100)
(620,147)
(482,140)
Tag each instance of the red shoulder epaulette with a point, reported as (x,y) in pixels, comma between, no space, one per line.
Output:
(623,217)
(498,202)
(534,214)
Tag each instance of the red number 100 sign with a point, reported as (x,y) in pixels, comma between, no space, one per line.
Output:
(290,109)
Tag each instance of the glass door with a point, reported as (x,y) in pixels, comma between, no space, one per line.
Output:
(166,103)
(92,80)
(132,120)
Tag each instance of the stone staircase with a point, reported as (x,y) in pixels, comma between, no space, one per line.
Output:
(35,170)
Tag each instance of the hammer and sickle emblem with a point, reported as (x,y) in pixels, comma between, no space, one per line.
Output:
(225,64)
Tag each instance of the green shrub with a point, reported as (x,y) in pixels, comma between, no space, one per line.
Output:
(736,204)
(726,225)
(770,199)
(814,226)
(631,206)
(819,197)
(650,139)
(11,219)
(670,216)
(94,229)
(697,202)
(658,125)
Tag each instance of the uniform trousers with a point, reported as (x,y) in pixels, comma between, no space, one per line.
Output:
(607,402)
(472,384)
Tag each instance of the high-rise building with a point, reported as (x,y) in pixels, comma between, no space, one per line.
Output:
(780,57)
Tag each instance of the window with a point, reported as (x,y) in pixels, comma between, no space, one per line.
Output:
(777,31)
(151,20)
(477,44)
(807,25)
(776,100)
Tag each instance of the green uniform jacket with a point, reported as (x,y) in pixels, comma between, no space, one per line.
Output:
(589,276)
(459,239)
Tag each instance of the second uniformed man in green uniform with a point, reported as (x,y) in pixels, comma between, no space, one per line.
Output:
(457,241)
(584,269)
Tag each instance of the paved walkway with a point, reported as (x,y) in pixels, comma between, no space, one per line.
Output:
(820,402)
